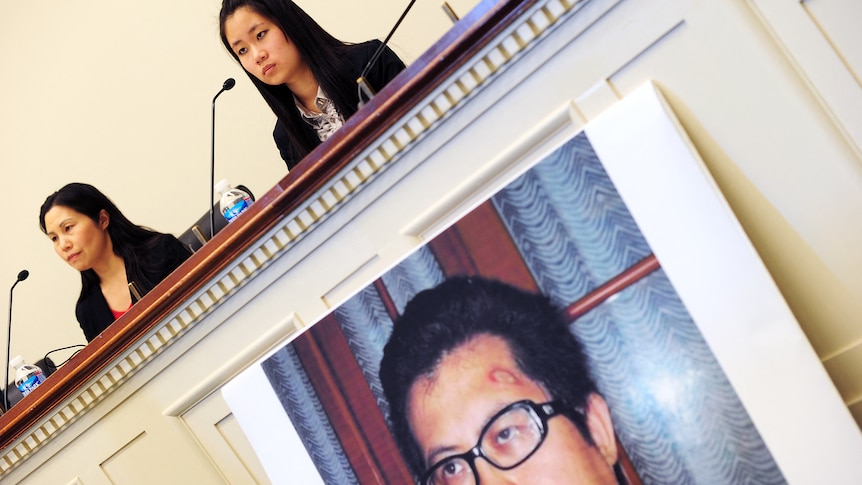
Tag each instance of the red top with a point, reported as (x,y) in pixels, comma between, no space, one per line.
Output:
(120,313)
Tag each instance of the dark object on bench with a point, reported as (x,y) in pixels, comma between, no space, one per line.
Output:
(197,235)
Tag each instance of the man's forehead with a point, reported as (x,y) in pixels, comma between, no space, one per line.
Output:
(480,351)
(482,364)
(449,408)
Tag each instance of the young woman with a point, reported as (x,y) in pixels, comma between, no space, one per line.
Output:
(307,76)
(91,234)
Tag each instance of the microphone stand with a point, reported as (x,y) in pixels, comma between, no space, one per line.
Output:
(362,83)
(8,349)
(450,12)
(228,84)
(21,277)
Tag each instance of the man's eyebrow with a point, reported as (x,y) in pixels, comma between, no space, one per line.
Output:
(437,451)
(250,30)
(448,450)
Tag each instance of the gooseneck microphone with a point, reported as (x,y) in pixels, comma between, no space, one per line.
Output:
(22,275)
(362,83)
(229,83)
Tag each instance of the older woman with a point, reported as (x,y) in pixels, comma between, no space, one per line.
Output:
(91,234)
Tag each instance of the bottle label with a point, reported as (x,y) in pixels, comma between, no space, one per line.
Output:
(236,209)
(30,383)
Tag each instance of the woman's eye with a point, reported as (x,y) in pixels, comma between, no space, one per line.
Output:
(261,34)
(241,51)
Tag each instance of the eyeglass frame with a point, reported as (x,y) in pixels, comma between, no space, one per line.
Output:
(544,412)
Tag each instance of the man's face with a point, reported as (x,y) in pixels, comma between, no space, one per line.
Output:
(448,411)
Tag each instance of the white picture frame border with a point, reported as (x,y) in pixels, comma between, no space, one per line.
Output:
(727,289)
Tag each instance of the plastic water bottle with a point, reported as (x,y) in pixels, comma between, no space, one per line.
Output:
(233,201)
(27,377)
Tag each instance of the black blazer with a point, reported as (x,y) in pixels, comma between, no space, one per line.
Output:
(388,66)
(92,310)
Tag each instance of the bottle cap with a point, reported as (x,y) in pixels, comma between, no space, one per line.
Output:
(16,361)
(222,186)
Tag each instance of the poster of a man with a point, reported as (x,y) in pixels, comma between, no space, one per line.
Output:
(485,382)
(537,339)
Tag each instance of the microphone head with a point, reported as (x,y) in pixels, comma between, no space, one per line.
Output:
(229,84)
(23,275)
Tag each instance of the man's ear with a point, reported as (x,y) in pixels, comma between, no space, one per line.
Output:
(104,219)
(601,428)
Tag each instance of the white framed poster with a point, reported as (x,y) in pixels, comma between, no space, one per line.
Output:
(705,373)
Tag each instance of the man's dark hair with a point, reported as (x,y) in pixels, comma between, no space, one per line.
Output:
(439,320)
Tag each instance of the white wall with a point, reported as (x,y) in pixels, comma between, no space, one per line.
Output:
(118,94)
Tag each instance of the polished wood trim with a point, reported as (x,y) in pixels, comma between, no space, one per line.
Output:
(450,252)
(480,244)
(386,298)
(340,386)
(620,282)
(350,405)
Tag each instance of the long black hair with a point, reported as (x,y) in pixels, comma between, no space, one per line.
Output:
(324,55)
(130,241)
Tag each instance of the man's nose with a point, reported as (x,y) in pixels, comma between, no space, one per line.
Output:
(487,474)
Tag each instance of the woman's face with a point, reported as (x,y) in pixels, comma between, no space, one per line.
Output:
(79,240)
(263,49)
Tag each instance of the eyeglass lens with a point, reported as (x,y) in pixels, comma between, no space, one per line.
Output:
(506,442)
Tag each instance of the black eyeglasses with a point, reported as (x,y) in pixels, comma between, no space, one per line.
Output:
(507,440)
